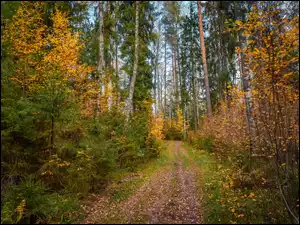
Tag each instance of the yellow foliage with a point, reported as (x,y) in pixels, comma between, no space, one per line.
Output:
(231,183)
(21,207)
(177,124)
(271,55)
(54,162)
(110,93)
(238,22)
(274,94)
(251,195)
(43,53)
(179,120)
(157,125)
(25,33)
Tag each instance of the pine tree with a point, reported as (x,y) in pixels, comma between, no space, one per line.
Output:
(207,89)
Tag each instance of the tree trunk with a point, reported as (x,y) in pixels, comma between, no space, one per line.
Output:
(175,79)
(155,84)
(246,87)
(174,89)
(179,75)
(100,55)
(206,81)
(194,94)
(156,71)
(160,90)
(116,9)
(132,81)
(178,62)
(165,79)
(193,81)
(109,61)
(116,70)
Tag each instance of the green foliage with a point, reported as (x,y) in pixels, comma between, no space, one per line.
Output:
(87,153)
(204,143)
(143,84)
(137,146)
(39,204)
(44,135)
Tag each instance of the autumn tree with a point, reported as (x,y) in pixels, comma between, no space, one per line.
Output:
(47,68)
(270,56)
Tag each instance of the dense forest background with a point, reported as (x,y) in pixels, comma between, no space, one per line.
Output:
(89,89)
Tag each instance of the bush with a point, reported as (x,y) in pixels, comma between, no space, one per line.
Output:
(205,143)
(137,144)
(85,154)
(30,202)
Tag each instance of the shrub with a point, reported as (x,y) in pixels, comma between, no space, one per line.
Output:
(201,142)
(30,202)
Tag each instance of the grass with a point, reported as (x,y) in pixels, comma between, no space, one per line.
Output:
(122,191)
(225,204)
(125,189)
(222,203)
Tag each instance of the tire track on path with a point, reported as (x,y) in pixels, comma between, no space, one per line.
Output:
(169,196)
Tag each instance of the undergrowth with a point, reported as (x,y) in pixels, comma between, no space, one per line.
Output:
(225,202)
(87,156)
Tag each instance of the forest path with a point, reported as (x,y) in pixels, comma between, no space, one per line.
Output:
(171,195)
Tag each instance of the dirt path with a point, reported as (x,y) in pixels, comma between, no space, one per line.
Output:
(170,196)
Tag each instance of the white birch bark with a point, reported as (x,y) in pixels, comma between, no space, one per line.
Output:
(129,107)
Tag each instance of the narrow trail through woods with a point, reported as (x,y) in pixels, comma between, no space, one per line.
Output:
(171,195)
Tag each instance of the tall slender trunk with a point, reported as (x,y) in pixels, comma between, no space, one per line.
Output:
(109,61)
(176,79)
(100,55)
(179,75)
(220,51)
(165,80)
(193,84)
(246,87)
(132,81)
(156,71)
(116,69)
(197,89)
(178,61)
(183,80)
(174,89)
(155,84)
(160,90)
(116,7)
(194,89)
(206,81)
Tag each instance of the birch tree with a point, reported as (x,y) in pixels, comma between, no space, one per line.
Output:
(100,55)
(133,78)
